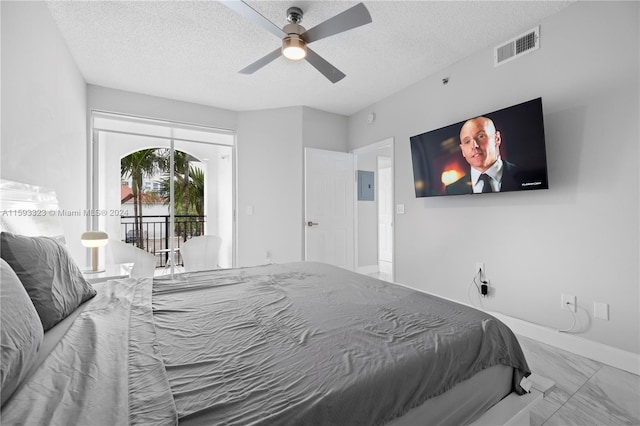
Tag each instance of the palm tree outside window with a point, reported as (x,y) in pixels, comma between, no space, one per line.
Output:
(137,166)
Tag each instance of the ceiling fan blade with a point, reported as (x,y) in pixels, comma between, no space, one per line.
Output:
(332,73)
(254,16)
(270,57)
(351,18)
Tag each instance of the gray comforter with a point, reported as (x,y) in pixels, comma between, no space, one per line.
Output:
(300,343)
(308,343)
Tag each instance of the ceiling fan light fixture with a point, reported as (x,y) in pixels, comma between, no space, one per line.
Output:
(294,47)
(295,37)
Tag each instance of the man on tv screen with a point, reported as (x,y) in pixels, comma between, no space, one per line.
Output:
(480,146)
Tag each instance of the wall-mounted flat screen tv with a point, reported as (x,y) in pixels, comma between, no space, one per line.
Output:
(500,151)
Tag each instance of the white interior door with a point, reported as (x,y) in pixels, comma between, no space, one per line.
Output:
(329,198)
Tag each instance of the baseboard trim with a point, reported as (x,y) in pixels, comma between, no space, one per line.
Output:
(624,360)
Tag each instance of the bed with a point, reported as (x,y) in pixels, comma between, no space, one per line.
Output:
(297,343)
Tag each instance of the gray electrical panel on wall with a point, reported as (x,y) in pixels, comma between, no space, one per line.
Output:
(366,188)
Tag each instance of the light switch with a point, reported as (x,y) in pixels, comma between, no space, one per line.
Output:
(249,210)
(400,208)
(601,310)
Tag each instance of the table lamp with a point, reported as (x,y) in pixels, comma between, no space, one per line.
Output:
(94,239)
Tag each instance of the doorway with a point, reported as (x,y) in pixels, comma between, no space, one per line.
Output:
(374,230)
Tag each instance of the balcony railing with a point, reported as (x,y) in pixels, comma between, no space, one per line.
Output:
(155,234)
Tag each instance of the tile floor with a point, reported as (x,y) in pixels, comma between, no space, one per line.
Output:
(586,393)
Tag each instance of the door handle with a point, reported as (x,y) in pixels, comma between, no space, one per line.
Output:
(312,223)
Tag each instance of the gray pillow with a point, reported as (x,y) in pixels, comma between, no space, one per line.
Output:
(21,332)
(52,279)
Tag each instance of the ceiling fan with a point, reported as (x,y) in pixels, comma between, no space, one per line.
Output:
(295,38)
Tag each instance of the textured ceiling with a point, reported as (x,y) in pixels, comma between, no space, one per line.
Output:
(192,50)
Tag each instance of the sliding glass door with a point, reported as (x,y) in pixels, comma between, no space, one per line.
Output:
(134,162)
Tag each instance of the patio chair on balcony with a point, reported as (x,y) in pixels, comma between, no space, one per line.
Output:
(201,253)
(144,263)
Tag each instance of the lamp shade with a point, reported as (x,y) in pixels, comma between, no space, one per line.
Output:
(94,239)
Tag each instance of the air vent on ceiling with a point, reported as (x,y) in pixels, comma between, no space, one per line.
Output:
(516,47)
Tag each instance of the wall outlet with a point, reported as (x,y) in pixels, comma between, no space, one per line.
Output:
(568,298)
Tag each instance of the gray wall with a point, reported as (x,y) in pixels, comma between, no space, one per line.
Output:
(579,237)
(324,130)
(269,182)
(121,101)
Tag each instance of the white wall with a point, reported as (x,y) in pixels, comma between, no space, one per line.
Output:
(43,113)
(581,236)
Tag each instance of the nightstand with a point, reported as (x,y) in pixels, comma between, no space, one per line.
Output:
(110,272)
